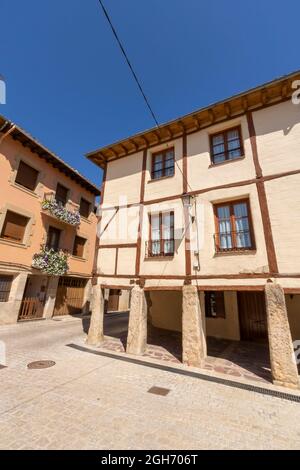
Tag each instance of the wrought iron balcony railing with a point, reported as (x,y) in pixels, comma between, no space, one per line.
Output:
(51,261)
(158,248)
(57,210)
(239,240)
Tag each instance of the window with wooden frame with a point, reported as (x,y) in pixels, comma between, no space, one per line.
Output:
(84,208)
(214,304)
(5,286)
(14,227)
(61,194)
(53,238)
(26,176)
(163,163)
(226,145)
(161,237)
(234,229)
(78,247)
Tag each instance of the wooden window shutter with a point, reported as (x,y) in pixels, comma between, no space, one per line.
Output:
(27,176)
(14,226)
(79,244)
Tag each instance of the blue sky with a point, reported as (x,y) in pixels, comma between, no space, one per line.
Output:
(68,85)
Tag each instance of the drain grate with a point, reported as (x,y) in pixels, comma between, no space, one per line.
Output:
(159,391)
(40,364)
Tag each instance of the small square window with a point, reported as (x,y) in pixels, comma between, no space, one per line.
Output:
(226,145)
(234,230)
(214,304)
(163,164)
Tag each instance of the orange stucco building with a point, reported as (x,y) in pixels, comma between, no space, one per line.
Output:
(47,214)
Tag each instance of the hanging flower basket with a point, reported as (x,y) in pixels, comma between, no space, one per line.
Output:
(58,210)
(49,261)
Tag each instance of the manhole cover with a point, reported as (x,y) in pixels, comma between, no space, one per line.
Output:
(159,391)
(40,364)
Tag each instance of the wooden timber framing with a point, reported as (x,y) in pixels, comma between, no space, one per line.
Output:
(268,94)
(232,288)
(273,93)
(207,190)
(141,214)
(262,197)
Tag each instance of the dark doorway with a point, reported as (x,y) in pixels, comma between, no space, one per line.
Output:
(113,300)
(252,314)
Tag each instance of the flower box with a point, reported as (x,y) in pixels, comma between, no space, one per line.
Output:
(49,261)
(60,212)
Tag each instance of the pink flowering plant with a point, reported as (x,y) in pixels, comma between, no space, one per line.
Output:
(49,261)
(59,211)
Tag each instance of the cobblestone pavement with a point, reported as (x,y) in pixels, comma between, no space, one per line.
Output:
(92,402)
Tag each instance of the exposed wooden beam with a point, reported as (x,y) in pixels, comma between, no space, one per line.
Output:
(228,111)
(211,115)
(245,104)
(197,120)
(124,148)
(264,96)
(134,144)
(158,137)
(284,90)
(115,154)
(169,132)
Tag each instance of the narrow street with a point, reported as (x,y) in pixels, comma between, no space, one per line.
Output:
(88,401)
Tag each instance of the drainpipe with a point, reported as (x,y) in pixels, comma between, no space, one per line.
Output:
(6,134)
(196,266)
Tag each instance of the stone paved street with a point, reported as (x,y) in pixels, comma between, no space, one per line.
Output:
(88,401)
(249,361)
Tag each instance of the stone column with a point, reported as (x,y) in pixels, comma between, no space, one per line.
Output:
(95,334)
(87,298)
(283,364)
(50,297)
(193,332)
(137,327)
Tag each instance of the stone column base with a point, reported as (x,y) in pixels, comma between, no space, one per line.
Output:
(283,363)
(137,327)
(95,334)
(193,335)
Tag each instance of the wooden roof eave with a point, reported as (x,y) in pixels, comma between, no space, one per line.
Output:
(256,98)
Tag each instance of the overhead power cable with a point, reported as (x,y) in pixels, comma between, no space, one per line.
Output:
(128,62)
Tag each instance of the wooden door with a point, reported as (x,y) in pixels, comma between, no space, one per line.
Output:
(31,308)
(69,296)
(252,315)
(113,300)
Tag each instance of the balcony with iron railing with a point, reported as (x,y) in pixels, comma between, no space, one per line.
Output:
(51,261)
(233,241)
(57,210)
(159,248)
